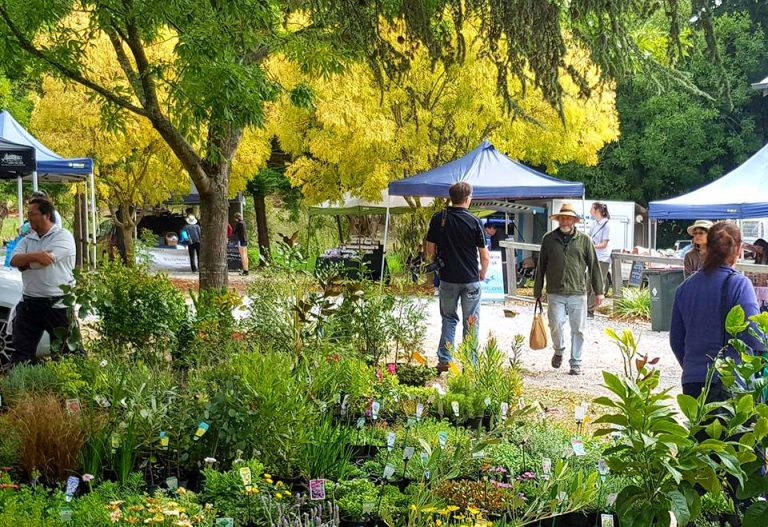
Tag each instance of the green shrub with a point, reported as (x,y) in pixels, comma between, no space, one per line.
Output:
(28,379)
(414,375)
(136,309)
(634,303)
(225,490)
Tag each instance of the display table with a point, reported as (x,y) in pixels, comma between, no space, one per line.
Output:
(355,262)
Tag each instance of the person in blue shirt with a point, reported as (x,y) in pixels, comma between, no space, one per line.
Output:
(701,304)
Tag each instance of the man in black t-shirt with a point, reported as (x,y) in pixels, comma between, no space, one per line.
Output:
(455,238)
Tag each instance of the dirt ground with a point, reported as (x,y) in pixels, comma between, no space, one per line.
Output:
(599,353)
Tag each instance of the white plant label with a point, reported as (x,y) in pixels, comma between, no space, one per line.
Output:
(610,500)
(578,447)
(419,411)
(487,402)
(442,438)
(455,408)
(606,520)
(546,467)
(375,407)
(424,458)
(389,471)
(439,389)
(579,413)
(360,422)
(411,421)
(173,483)
(390,441)
(344,404)
(408,453)
(602,467)
(562,496)
(521,403)
(504,411)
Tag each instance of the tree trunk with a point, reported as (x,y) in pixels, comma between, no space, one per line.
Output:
(214,209)
(128,253)
(262,229)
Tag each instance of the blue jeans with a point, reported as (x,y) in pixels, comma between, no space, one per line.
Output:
(449,302)
(574,309)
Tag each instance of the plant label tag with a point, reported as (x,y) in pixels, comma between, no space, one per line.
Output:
(480,454)
(360,422)
(578,447)
(344,404)
(602,467)
(442,438)
(606,520)
(418,357)
(546,468)
(439,388)
(172,483)
(202,428)
(394,396)
(419,411)
(610,500)
(504,411)
(562,496)
(317,489)
(410,422)
(389,471)
(427,473)
(424,458)
(408,453)
(579,413)
(672,519)
(246,476)
(65,514)
(375,407)
(453,368)
(164,440)
(72,484)
(368,507)
(521,403)
(102,401)
(455,408)
(73,406)
(225,522)
(390,441)
(616,435)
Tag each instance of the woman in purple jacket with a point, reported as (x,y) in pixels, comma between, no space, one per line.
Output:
(701,305)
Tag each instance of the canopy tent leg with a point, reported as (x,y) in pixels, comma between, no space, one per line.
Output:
(34,181)
(655,233)
(93,215)
(20,197)
(384,247)
(584,210)
(87,227)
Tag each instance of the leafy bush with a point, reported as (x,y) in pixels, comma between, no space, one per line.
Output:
(136,309)
(634,303)
(27,379)
(486,372)
(225,489)
(414,375)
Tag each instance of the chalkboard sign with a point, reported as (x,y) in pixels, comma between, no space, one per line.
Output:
(636,275)
(233,256)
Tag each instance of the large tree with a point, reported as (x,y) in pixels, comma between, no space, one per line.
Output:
(214,85)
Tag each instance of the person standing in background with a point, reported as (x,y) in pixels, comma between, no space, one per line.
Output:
(694,259)
(242,242)
(600,234)
(193,233)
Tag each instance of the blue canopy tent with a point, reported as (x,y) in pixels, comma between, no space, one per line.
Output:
(740,194)
(492,176)
(51,167)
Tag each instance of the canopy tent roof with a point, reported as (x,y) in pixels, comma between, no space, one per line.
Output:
(492,176)
(761,86)
(15,160)
(50,165)
(352,206)
(742,193)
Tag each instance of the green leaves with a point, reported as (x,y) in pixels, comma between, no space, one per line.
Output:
(735,321)
(689,406)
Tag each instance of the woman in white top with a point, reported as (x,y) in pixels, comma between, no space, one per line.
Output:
(600,233)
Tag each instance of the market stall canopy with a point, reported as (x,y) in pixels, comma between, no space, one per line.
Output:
(352,206)
(492,176)
(740,194)
(15,160)
(50,165)
(761,86)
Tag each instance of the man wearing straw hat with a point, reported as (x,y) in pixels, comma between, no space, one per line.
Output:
(567,262)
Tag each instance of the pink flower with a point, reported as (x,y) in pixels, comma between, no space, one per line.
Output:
(501,485)
(115,515)
(87,477)
(392,368)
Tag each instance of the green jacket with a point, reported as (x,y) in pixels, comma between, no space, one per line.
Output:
(566,268)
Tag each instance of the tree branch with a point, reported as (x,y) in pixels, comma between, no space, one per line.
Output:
(125,64)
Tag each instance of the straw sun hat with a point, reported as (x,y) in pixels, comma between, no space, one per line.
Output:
(699,224)
(566,210)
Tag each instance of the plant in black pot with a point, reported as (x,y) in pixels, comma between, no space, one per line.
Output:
(357,500)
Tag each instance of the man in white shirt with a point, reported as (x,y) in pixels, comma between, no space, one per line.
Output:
(46,259)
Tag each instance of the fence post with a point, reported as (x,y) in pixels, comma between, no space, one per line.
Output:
(618,279)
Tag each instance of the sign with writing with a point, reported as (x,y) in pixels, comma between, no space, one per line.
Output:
(636,275)
(317,489)
(73,406)
(492,287)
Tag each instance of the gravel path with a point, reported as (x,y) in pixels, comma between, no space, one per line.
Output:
(600,353)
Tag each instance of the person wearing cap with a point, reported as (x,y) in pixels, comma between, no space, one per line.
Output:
(694,259)
(568,265)
(192,233)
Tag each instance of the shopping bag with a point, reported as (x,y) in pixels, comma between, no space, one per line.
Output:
(538,338)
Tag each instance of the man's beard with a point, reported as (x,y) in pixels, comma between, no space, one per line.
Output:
(568,230)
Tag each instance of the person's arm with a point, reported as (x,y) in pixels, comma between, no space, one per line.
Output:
(431,249)
(677,331)
(23,261)
(485,260)
(688,263)
(541,270)
(605,237)
(431,239)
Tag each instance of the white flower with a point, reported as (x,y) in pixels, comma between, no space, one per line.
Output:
(103,363)
(210,460)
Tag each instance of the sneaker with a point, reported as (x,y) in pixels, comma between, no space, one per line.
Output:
(557,360)
(575,370)
(442,367)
